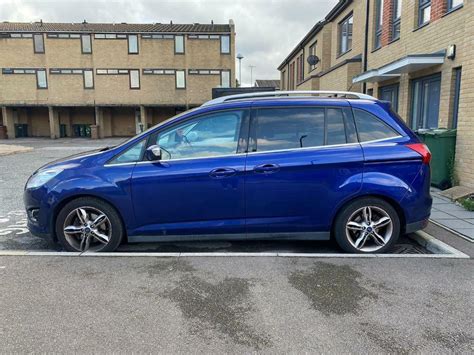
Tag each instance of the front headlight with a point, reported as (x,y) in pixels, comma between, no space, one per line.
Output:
(42,177)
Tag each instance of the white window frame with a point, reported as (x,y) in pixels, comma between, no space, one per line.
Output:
(225,46)
(180,74)
(134,74)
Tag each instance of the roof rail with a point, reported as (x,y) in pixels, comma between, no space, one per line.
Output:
(334,94)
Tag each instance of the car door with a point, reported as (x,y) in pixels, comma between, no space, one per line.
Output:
(198,186)
(304,161)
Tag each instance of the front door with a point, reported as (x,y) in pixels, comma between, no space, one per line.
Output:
(305,161)
(198,187)
(425,102)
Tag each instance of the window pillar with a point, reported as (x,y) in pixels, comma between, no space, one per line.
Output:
(387,16)
(7,114)
(438,9)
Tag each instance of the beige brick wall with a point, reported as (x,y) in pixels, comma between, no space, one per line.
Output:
(341,78)
(39,126)
(123,122)
(327,50)
(465,139)
(109,89)
(358,10)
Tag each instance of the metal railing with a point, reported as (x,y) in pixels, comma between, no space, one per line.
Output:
(302,93)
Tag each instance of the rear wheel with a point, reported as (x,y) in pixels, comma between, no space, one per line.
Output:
(89,224)
(367,225)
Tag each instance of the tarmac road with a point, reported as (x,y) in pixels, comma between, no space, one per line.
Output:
(235,305)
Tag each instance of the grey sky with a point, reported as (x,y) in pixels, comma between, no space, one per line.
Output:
(266,29)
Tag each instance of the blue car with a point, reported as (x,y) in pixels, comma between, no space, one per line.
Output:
(281,165)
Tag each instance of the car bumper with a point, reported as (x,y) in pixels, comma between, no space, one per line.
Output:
(416,226)
(38,213)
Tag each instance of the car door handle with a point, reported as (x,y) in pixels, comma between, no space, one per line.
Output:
(222,172)
(266,168)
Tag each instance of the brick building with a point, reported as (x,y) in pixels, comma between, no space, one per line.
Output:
(61,79)
(418,54)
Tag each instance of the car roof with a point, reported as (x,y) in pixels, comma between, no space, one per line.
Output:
(282,95)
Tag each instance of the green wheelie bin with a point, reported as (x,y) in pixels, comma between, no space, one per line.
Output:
(442,144)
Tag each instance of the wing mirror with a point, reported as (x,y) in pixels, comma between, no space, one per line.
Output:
(153,153)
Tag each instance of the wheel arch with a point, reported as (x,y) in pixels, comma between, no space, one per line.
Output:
(391,201)
(68,199)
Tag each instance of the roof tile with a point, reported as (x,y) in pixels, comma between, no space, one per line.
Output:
(111,27)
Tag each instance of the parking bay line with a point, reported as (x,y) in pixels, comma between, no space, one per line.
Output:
(439,249)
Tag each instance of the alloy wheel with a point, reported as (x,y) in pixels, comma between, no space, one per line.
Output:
(369,229)
(87,228)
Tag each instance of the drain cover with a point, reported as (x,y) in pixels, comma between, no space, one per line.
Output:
(409,249)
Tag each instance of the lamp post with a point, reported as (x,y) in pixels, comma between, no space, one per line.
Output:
(240,57)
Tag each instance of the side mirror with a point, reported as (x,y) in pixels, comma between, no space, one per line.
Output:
(153,153)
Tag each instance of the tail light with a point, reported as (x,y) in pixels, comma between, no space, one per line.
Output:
(423,150)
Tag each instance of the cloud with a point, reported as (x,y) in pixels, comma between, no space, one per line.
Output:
(267,30)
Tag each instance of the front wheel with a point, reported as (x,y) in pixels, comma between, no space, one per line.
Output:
(89,224)
(367,225)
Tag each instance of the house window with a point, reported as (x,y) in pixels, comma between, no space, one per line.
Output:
(38,42)
(179,44)
(88,79)
(453,4)
(292,76)
(180,79)
(396,18)
(300,72)
(225,44)
(345,34)
(86,44)
(283,80)
(425,102)
(424,11)
(41,80)
(312,52)
(132,44)
(457,91)
(134,79)
(378,24)
(225,78)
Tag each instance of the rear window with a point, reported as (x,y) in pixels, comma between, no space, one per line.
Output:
(370,128)
(302,127)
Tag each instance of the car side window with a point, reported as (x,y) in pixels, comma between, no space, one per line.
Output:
(298,127)
(210,135)
(131,155)
(370,128)
(335,129)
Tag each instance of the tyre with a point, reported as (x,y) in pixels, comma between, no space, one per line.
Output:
(89,224)
(367,225)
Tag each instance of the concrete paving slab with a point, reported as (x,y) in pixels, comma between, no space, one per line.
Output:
(457,192)
(457,224)
(437,201)
(437,215)
(462,214)
(469,232)
(450,208)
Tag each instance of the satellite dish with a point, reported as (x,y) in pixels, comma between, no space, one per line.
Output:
(313,60)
